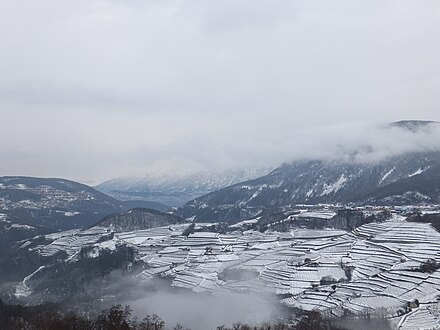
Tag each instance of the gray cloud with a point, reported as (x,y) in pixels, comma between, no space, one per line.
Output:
(96,89)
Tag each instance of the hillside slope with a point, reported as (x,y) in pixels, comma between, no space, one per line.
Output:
(405,179)
(51,204)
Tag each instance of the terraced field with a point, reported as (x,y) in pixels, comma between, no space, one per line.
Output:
(376,269)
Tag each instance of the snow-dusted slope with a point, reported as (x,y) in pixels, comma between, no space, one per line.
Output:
(409,175)
(175,189)
(52,203)
(405,179)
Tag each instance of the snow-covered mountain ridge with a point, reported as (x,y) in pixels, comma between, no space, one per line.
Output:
(407,178)
(175,189)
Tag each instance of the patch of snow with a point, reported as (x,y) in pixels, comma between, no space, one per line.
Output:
(252,197)
(430,212)
(245,222)
(317,214)
(110,244)
(397,217)
(227,257)
(16,225)
(94,253)
(25,244)
(266,246)
(419,171)
(58,235)
(191,219)
(335,186)
(70,214)
(386,175)
(203,235)
(22,290)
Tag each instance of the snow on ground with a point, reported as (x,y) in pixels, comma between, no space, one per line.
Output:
(245,222)
(373,268)
(18,226)
(22,290)
(316,214)
(335,186)
(397,217)
(424,317)
(386,176)
(419,171)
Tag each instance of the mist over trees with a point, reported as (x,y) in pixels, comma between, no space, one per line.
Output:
(49,317)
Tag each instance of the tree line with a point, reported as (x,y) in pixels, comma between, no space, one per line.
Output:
(48,317)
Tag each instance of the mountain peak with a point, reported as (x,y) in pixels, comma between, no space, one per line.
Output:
(414,125)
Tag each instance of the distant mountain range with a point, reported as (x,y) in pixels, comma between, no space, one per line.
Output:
(54,204)
(174,189)
(410,178)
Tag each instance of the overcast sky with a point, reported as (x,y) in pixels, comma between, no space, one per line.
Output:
(91,90)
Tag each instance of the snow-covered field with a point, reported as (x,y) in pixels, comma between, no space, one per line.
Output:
(370,270)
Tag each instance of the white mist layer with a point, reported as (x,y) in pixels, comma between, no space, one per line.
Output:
(203,312)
